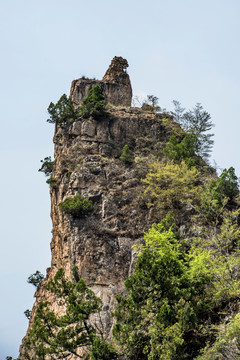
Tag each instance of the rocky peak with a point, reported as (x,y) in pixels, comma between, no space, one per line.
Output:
(116,70)
(115,84)
(87,162)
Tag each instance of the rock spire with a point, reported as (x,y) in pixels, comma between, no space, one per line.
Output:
(115,84)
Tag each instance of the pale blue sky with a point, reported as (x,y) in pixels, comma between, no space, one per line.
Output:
(188,50)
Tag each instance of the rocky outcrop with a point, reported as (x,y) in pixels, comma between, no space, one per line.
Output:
(115,84)
(87,162)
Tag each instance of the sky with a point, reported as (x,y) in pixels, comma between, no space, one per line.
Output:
(186,50)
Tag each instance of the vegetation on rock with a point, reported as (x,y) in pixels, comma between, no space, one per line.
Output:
(182,297)
(76,206)
(63,111)
(186,149)
(55,335)
(126,155)
(169,186)
(151,104)
(36,279)
(176,292)
(93,104)
(198,122)
(52,182)
(47,166)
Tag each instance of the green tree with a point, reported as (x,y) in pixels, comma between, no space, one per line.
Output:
(47,166)
(186,149)
(93,104)
(196,121)
(219,193)
(63,111)
(35,279)
(228,184)
(101,350)
(57,336)
(126,155)
(164,298)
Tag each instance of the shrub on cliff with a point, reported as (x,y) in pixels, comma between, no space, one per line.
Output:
(76,206)
(228,183)
(52,182)
(93,104)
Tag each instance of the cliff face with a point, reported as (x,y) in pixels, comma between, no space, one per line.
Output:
(87,162)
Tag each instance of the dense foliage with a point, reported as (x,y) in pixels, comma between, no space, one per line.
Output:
(219,193)
(165,296)
(227,184)
(76,206)
(176,291)
(169,186)
(186,149)
(227,344)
